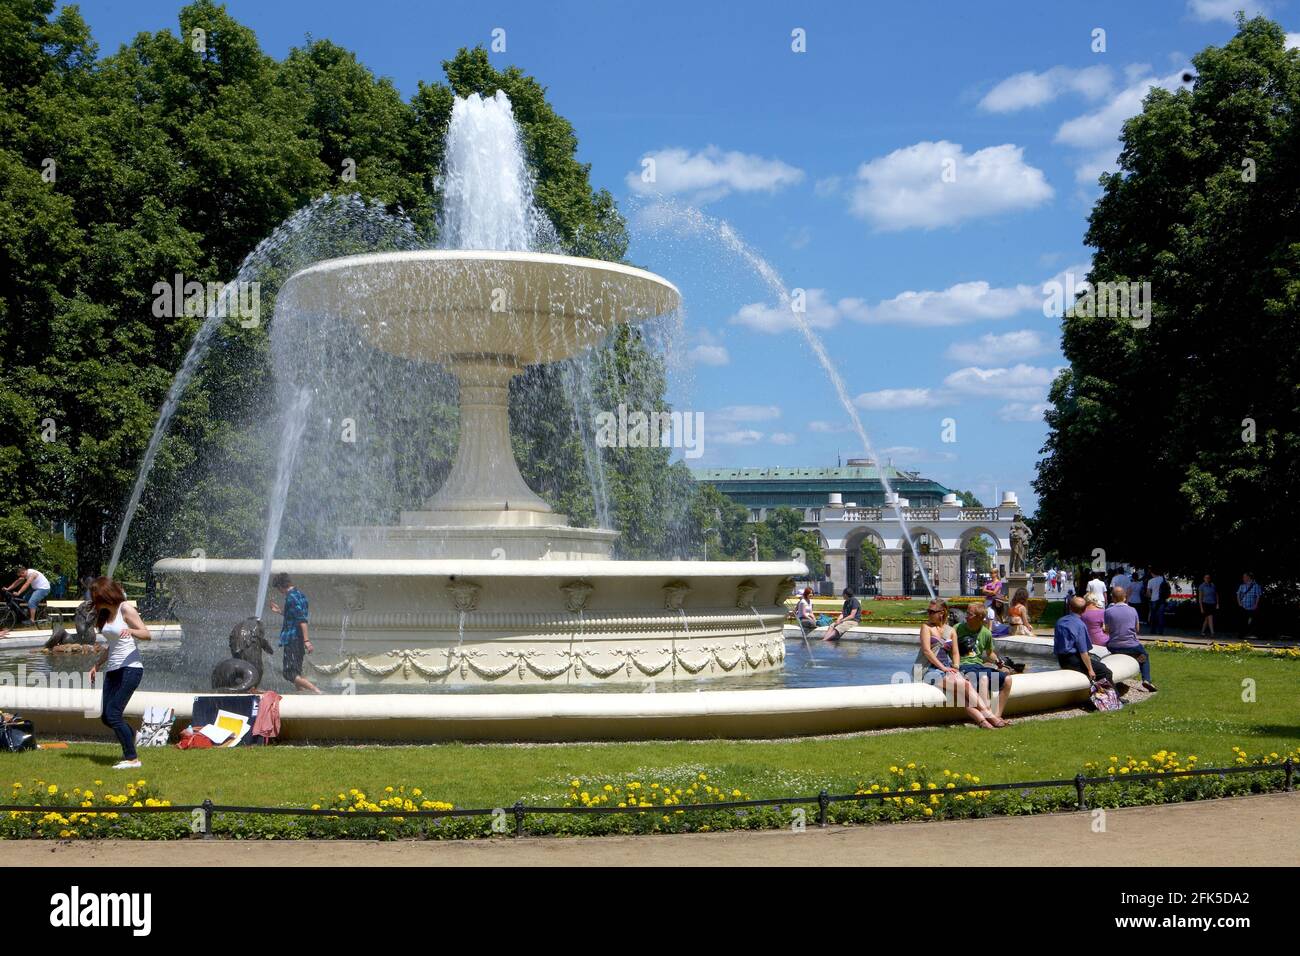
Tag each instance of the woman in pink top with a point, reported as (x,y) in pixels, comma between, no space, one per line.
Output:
(1094,615)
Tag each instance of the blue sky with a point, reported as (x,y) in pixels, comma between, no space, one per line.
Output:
(920,171)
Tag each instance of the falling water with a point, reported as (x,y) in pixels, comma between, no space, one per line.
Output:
(295,424)
(298,239)
(577,382)
(696,221)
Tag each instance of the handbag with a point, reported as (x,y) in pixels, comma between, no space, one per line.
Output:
(1103,696)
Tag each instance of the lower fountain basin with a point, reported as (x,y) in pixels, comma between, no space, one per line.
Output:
(466,621)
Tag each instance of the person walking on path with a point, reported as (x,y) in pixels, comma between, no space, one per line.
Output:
(1249,594)
(1158,591)
(293,632)
(1207,598)
(119,662)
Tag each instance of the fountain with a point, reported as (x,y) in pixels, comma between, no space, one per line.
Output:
(484,582)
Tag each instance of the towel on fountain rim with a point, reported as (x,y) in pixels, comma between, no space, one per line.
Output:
(267,725)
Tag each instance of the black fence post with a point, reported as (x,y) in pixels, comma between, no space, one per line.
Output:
(207,818)
(1290,773)
(823,805)
(519,818)
(1079,784)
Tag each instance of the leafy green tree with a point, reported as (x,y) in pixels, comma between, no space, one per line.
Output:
(1176,443)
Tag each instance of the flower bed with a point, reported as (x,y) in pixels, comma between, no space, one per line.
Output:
(676,802)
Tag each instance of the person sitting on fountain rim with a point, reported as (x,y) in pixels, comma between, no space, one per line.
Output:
(1122,625)
(293,632)
(979,662)
(803,612)
(849,615)
(1071,644)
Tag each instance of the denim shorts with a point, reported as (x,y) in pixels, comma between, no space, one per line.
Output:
(36,597)
(974,673)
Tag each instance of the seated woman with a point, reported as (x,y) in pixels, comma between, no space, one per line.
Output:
(1019,616)
(1094,616)
(937,637)
(803,612)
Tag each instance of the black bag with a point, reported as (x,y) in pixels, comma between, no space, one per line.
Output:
(17,736)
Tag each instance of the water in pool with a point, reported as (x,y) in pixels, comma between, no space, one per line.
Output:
(843,663)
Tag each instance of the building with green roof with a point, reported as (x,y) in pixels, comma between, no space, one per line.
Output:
(810,489)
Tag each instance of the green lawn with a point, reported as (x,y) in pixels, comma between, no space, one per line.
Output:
(1198,711)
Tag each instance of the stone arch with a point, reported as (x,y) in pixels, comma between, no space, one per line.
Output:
(968,584)
(929,545)
(857,577)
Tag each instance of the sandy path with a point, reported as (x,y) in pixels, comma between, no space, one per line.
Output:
(1241,831)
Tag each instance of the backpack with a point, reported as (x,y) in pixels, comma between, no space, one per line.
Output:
(16,735)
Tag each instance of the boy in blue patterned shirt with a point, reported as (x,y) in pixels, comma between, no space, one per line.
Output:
(293,632)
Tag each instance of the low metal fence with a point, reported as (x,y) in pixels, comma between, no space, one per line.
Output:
(204,813)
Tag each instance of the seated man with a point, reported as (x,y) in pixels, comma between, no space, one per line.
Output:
(849,615)
(1072,646)
(39,585)
(980,663)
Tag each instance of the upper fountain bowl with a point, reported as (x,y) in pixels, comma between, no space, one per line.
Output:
(436,305)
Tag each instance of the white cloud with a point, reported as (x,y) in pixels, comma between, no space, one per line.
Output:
(1024,343)
(1224,10)
(907,189)
(819,313)
(893,399)
(709,355)
(1029,89)
(1293,41)
(963,302)
(1023,411)
(1018,383)
(1096,134)
(745,436)
(783,438)
(709,174)
(912,455)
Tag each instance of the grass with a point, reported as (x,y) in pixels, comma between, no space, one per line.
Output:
(1200,710)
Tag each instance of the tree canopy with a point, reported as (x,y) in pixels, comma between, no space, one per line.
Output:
(1175,443)
(177,154)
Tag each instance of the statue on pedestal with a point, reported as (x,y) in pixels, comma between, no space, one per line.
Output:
(1020,535)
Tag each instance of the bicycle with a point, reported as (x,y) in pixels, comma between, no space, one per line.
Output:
(13,612)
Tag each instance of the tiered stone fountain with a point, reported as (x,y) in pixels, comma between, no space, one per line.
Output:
(486,584)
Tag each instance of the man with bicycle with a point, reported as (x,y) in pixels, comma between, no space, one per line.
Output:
(39,585)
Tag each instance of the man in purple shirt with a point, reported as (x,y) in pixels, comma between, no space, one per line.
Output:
(1071,644)
(1121,623)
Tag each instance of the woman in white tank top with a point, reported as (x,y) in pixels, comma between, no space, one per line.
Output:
(119,661)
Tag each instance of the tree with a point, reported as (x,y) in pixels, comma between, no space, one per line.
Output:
(968,499)
(177,154)
(1175,442)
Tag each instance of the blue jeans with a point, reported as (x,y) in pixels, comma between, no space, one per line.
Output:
(119,685)
(1157,617)
(1138,652)
(36,597)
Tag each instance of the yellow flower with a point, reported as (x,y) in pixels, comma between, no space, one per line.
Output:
(52,788)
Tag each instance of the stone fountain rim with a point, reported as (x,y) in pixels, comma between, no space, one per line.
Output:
(485,255)
(490,567)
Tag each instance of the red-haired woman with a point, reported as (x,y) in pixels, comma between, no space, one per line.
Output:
(120,661)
